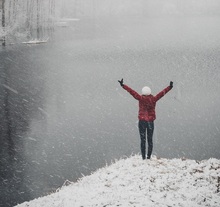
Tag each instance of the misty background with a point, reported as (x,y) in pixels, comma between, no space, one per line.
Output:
(63,113)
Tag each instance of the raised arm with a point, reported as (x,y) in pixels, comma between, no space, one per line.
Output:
(132,92)
(164,91)
(129,90)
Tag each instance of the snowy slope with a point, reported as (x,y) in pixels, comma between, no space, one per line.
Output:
(134,182)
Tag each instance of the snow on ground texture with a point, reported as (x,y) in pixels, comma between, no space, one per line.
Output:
(136,182)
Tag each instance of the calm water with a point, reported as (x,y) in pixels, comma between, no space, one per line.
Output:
(63,114)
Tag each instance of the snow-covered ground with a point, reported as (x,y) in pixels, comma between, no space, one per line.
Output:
(36,41)
(135,182)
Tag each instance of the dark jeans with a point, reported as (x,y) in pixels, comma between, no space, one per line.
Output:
(143,127)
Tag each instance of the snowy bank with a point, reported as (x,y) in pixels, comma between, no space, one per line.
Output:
(36,41)
(134,182)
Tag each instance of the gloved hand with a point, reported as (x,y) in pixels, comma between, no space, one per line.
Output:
(121,82)
(171,84)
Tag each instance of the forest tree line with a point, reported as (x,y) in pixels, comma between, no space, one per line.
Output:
(26,19)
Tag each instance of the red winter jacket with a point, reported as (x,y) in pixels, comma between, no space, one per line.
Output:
(147,104)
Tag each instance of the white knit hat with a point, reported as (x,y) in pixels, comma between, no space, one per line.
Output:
(146,91)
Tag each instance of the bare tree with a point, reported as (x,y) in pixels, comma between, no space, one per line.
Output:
(38,19)
(3,21)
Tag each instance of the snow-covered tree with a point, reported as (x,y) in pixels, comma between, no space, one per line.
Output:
(26,18)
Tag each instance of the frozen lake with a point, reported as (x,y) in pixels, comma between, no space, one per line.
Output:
(63,113)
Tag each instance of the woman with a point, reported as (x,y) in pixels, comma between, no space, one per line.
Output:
(147,114)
